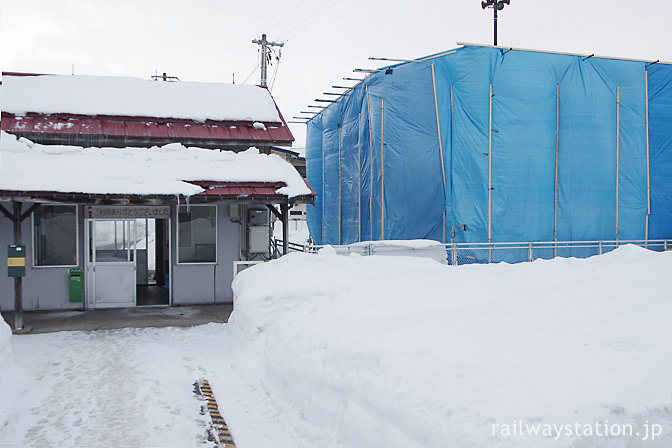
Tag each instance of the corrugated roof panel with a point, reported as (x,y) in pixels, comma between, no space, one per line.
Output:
(199,131)
(242,133)
(156,130)
(220,132)
(114,128)
(280,134)
(135,129)
(89,127)
(177,130)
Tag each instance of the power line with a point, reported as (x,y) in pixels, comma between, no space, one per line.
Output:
(282,19)
(316,14)
(277,66)
(253,71)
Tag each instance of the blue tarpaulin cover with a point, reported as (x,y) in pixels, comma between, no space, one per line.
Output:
(483,144)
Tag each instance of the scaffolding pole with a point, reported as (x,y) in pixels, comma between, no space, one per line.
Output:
(382,170)
(618,137)
(648,179)
(359,167)
(368,107)
(490,169)
(443,166)
(340,202)
(323,198)
(555,188)
(451,161)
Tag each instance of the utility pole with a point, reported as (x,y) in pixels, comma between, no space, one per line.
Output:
(264,55)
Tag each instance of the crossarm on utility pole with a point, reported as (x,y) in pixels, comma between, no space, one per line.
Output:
(264,55)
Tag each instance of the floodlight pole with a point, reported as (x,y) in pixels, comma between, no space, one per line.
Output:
(494,8)
(495,5)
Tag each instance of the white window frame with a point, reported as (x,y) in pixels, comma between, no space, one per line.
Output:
(177,236)
(34,245)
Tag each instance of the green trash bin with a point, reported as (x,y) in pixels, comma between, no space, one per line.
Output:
(76,284)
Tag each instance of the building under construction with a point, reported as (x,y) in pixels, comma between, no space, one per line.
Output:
(491,144)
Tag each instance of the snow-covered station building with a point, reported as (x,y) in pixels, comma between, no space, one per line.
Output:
(157,191)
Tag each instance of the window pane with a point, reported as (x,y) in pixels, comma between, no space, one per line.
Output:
(113,241)
(55,235)
(197,230)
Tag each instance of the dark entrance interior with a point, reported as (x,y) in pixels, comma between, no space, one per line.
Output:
(152,264)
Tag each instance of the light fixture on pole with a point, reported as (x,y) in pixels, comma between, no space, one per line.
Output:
(496,5)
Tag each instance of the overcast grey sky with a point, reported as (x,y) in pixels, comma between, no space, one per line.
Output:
(208,40)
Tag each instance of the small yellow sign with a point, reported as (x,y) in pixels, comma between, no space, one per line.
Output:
(16,261)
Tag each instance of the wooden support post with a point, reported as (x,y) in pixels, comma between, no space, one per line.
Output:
(18,281)
(6,212)
(284,211)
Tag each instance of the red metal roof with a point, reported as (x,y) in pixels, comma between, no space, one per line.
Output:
(243,189)
(147,129)
(123,131)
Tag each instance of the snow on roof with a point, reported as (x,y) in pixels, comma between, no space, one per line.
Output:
(122,96)
(27,166)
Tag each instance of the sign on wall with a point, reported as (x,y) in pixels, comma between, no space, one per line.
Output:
(16,261)
(130,212)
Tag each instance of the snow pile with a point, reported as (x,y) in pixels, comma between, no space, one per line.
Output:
(5,350)
(104,95)
(407,352)
(404,248)
(165,170)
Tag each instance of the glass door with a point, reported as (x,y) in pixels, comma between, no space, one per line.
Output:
(112,258)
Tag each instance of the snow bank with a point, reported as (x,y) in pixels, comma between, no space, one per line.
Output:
(5,350)
(403,248)
(165,170)
(105,95)
(406,352)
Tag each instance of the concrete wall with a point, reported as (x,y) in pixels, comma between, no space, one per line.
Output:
(44,288)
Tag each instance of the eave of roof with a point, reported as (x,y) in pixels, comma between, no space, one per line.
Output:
(243,192)
(67,128)
(146,129)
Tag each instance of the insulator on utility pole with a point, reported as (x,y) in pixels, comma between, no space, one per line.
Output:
(265,56)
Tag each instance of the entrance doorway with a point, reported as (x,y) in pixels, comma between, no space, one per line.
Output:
(152,274)
(127,262)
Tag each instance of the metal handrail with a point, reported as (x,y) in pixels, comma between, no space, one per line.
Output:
(499,248)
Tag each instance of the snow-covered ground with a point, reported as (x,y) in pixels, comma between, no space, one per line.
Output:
(392,352)
(373,352)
